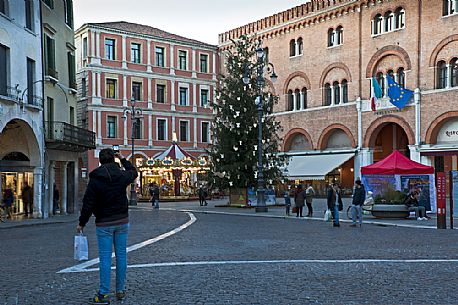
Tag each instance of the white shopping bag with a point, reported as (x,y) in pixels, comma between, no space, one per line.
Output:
(327,215)
(81,248)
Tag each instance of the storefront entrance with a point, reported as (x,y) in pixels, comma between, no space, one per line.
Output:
(15,181)
(389,138)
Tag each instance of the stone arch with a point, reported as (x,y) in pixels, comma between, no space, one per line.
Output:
(323,140)
(439,47)
(294,75)
(378,124)
(290,135)
(436,125)
(338,65)
(24,140)
(388,50)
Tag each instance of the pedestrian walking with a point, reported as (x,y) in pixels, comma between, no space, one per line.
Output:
(106,198)
(309,193)
(359,196)
(299,200)
(55,200)
(27,198)
(154,192)
(335,203)
(8,200)
(202,196)
(287,202)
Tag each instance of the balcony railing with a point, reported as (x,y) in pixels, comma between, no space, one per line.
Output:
(34,100)
(64,136)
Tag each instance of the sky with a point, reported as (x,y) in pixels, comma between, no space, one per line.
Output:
(202,20)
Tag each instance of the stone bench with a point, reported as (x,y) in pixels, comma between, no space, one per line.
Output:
(390,211)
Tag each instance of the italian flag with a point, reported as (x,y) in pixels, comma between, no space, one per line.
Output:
(376,93)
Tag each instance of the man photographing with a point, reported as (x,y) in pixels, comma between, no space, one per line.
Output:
(106,198)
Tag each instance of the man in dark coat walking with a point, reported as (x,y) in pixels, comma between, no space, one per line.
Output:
(106,198)
(359,196)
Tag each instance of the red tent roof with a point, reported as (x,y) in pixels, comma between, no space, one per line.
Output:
(397,164)
(174,152)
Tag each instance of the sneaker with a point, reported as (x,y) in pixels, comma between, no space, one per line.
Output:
(120,295)
(419,218)
(424,218)
(100,299)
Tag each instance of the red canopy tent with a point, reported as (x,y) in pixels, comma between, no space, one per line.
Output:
(397,164)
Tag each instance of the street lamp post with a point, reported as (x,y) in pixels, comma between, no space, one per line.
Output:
(260,81)
(135,114)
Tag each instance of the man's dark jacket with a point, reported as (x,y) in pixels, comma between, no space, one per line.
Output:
(359,195)
(105,195)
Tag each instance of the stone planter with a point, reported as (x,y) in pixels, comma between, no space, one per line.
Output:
(390,211)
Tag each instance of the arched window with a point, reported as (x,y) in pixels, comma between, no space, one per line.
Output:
(377,24)
(304,97)
(454,74)
(292,48)
(336,88)
(327,94)
(388,20)
(300,46)
(400,18)
(450,7)
(401,77)
(381,81)
(344,91)
(339,34)
(331,37)
(391,73)
(297,93)
(290,100)
(441,75)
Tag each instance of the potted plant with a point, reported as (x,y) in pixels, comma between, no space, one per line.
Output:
(390,204)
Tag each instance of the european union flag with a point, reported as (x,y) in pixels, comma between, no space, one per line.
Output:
(399,96)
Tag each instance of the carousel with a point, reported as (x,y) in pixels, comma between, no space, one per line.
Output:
(175,171)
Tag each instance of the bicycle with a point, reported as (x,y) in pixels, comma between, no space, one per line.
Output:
(367,206)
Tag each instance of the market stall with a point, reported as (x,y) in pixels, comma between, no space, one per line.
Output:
(400,173)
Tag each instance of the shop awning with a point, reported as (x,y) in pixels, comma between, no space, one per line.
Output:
(315,167)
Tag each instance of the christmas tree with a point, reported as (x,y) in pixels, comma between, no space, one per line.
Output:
(234,152)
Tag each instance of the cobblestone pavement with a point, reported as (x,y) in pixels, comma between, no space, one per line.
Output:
(31,257)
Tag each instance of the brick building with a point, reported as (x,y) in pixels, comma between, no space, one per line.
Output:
(171,78)
(326,53)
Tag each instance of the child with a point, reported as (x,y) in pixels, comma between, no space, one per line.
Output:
(287,202)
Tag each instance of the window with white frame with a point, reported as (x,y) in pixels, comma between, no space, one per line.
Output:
(454,72)
(110,88)
(290,97)
(135,53)
(111,126)
(183,96)
(401,77)
(389,21)
(205,132)
(335,93)
(160,62)
(300,46)
(161,132)
(204,63)
(327,94)
(110,48)
(137,91)
(203,97)
(184,131)
(442,75)
(182,60)
(160,93)
(292,48)
(335,37)
(450,7)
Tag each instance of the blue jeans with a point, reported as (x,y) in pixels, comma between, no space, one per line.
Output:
(336,214)
(357,209)
(106,237)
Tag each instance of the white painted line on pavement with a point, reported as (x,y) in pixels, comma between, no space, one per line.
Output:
(299,261)
(81,267)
